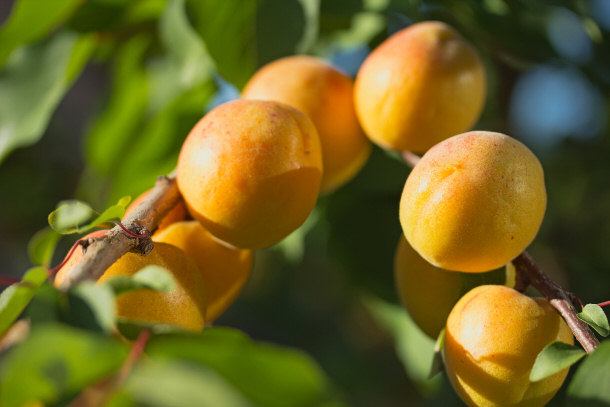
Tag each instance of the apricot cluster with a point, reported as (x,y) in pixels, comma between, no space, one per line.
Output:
(472,203)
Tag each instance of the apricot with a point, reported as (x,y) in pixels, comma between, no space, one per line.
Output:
(422,85)
(492,338)
(473,202)
(250,171)
(184,305)
(428,293)
(325,95)
(176,214)
(224,270)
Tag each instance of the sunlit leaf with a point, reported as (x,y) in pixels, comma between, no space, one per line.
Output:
(30,20)
(258,371)
(554,358)
(112,213)
(589,387)
(71,217)
(41,246)
(56,361)
(29,95)
(112,132)
(16,297)
(594,315)
(150,278)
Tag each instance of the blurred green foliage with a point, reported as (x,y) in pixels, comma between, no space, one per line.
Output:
(97,97)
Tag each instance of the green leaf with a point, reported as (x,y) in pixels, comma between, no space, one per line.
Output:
(242,36)
(184,385)
(55,362)
(71,217)
(76,216)
(112,132)
(16,297)
(131,329)
(31,20)
(41,246)
(187,63)
(91,306)
(259,371)
(594,315)
(29,94)
(111,214)
(149,278)
(554,358)
(414,348)
(589,387)
(438,363)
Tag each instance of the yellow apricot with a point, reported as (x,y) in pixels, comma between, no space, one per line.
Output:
(428,293)
(473,202)
(176,214)
(420,86)
(224,270)
(250,171)
(492,338)
(325,95)
(183,306)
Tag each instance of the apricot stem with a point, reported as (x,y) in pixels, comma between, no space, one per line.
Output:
(104,251)
(410,158)
(529,273)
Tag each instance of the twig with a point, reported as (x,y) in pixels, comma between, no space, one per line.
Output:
(104,251)
(559,298)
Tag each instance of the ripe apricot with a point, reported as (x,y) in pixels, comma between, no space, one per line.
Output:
(428,293)
(422,85)
(176,214)
(473,202)
(493,336)
(325,95)
(224,270)
(250,171)
(183,306)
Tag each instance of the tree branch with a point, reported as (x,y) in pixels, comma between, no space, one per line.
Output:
(104,251)
(529,273)
(562,300)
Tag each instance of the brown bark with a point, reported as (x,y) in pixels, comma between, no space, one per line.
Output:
(105,250)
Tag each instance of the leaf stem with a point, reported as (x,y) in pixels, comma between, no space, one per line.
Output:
(603,304)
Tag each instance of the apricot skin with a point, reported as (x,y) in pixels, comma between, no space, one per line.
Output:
(224,270)
(325,95)
(428,293)
(473,202)
(250,172)
(422,85)
(184,306)
(492,338)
